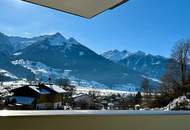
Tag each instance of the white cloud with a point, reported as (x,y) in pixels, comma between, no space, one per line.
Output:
(19,2)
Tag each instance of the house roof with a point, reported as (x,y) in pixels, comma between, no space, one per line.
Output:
(81,95)
(56,88)
(39,90)
(84,8)
(77,95)
(42,89)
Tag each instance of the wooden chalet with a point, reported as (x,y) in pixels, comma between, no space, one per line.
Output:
(39,97)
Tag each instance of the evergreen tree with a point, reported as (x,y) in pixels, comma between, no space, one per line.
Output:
(138,98)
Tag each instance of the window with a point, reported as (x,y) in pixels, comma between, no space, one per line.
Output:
(119,55)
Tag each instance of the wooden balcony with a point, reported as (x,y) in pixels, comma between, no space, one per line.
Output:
(94,120)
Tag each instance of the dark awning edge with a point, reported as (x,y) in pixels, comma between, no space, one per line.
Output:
(124,1)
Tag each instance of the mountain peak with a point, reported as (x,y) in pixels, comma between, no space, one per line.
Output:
(58,34)
(57,39)
(116,55)
(114,51)
(140,53)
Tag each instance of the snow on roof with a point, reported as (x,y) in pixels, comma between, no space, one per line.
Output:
(56,88)
(39,90)
(78,95)
(23,100)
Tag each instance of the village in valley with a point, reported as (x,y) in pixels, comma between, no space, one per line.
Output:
(24,95)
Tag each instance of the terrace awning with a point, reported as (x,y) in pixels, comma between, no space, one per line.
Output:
(84,8)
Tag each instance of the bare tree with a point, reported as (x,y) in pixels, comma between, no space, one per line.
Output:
(1,78)
(180,53)
(170,86)
(174,80)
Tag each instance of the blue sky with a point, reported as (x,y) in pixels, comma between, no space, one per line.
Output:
(152,26)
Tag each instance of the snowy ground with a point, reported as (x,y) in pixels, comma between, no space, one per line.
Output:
(180,103)
(103,92)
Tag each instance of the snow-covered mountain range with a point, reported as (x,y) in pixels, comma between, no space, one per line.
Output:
(58,57)
(152,66)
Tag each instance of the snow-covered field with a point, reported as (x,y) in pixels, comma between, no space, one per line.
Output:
(103,92)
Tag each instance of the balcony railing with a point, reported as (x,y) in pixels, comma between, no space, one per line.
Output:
(94,120)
